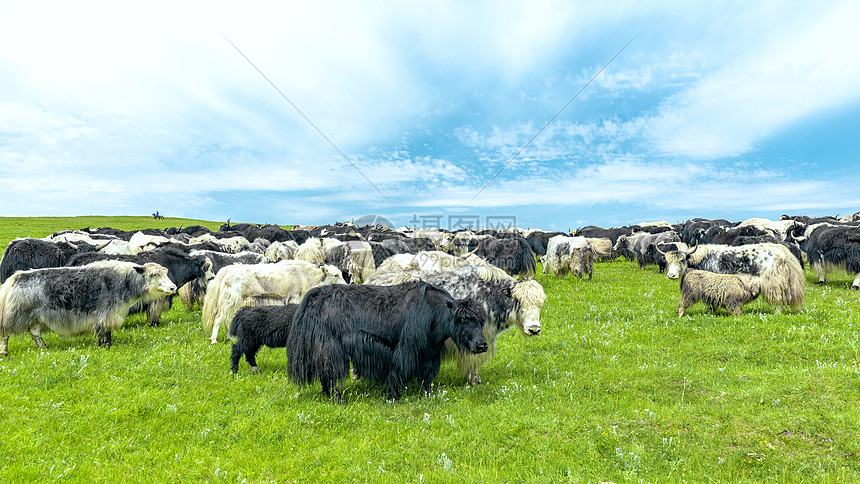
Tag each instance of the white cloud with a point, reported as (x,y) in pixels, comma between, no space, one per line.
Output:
(104,104)
(791,74)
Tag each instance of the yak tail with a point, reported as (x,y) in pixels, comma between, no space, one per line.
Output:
(210,305)
(220,303)
(233,332)
(186,295)
(313,348)
(784,282)
(527,258)
(4,290)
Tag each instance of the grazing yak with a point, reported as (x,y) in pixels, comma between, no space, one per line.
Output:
(141,241)
(439,238)
(507,302)
(24,254)
(569,254)
(435,261)
(354,258)
(181,269)
(832,248)
(253,327)
(538,241)
(258,285)
(511,254)
(730,291)
(278,251)
(781,277)
(642,247)
(195,291)
(464,242)
(391,334)
(76,300)
(311,251)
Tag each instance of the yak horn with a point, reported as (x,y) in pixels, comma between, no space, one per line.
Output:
(100,247)
(467,254)
(689,252)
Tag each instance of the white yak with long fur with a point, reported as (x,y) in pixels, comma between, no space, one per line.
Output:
(240,285)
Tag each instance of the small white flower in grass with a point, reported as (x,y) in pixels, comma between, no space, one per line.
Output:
(445,462)
(427,418)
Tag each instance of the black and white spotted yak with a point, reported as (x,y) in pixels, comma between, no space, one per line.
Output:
(391,334)
(181,269)
(75,300)
(781,280)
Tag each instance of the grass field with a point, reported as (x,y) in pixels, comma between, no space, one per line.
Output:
(616,388)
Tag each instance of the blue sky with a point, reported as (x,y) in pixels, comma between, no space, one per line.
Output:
(719,110)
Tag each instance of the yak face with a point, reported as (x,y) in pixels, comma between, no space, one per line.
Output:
(204,266)
(332,275)
(208,269)
(676,264)
(469,320)
(528,297)
(156,282)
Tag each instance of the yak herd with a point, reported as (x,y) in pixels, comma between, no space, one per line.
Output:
(389,305)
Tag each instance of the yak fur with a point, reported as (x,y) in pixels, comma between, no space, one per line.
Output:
(729,291)
(253,327)
(392,334)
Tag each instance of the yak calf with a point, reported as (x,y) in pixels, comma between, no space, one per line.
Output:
(253,327)
(730,291)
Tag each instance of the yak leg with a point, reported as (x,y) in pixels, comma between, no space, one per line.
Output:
(104,338)
(235,356)
(428,373)
(328,386)
(37,338)
(214,338)
(734,307)
(682,305)
(856,284)
(251,358)
(4,345)
(156,308)
(819,269)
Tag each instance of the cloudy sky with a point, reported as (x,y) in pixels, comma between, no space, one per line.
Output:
(316,112)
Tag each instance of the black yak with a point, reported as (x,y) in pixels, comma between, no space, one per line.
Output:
(391,334)
(253,327)
(24,254)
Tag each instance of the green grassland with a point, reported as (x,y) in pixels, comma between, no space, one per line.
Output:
(616,388)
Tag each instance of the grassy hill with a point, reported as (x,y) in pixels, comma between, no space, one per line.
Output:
(616,388)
